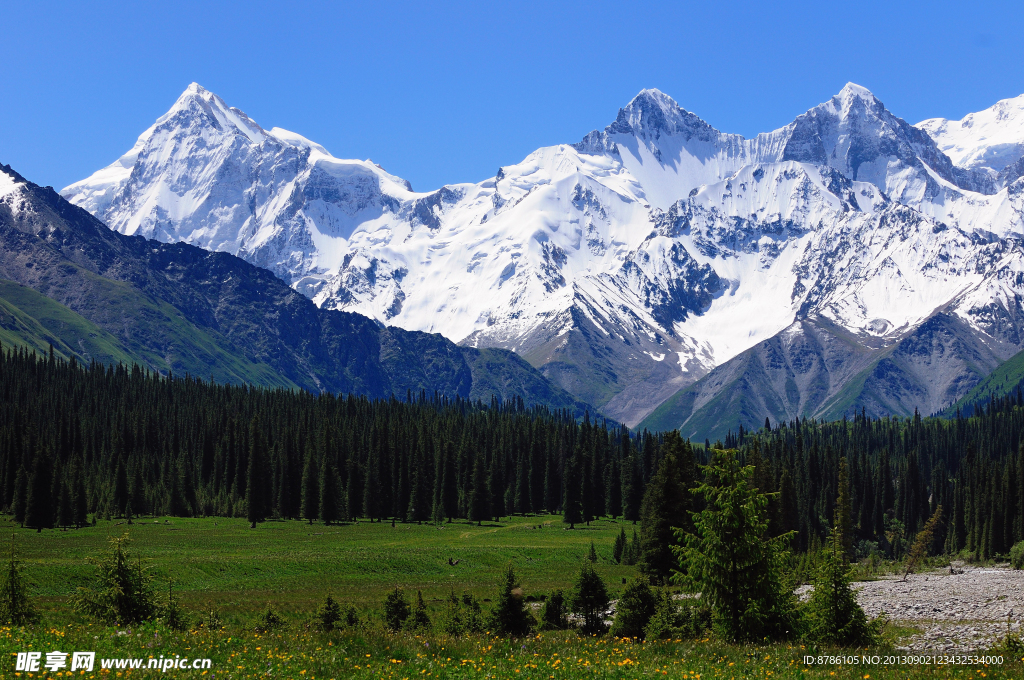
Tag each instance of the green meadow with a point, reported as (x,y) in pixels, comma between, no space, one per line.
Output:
(236,571)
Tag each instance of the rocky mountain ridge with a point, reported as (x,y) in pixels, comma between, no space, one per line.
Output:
(626,266)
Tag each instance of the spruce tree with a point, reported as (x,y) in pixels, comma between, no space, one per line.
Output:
(572,507)
(554,614)
(731,561)
(39,502)
(255,487)
(18,505)
(396,609)
(634,609)
(664,509)
(15,607)
(310,489)
(330,508)
(478,499)
(510,617)
(589,600)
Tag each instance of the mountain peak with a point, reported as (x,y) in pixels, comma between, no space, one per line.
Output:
(652,113)
(851,90)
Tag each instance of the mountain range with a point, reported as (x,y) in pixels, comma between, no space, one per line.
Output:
(68,281)
(671,275)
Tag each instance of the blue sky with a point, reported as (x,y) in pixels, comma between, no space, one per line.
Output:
(448,93)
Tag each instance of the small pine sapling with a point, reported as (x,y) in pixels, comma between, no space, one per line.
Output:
(919,551)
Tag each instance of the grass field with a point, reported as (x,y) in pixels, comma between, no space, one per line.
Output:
(225,565)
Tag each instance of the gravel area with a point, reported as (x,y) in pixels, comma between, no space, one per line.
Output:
(956,612)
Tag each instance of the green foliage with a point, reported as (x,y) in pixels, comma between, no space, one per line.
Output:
(665,506)
(460,616)
(686,619)
(921,544)
(832,616)
(510,616)
(268,620)
(592,554)
(15,607)
(419,620)
(731,560)
(1017,555)
(351,617)
(619,547)
(396,610)
(328,615)
(554,615)
(589,600)
(123,592)
(635,608)
(173,615)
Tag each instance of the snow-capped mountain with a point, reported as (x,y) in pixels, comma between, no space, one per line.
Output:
(625,266)
(991,140)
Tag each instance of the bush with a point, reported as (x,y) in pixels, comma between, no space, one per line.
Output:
(635,609)
(174,616)
(351,617)
(328,615)
(510,617)
(396,610)
(589,600)
(123,593)
(268,620)
(672,619)
(1017,556)
(419,619)
(460,616)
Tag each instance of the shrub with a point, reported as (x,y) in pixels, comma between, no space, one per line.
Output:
(268,620)
(1017,556)
(174,616)
(510,616)
(15,608)
(396,610)
(589,600)
(123,593)
(674,619)
(554,615)
(329,614)
(460,616)
(635,609)
(419,619)
(351,617)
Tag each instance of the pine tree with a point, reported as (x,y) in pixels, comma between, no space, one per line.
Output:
(310,489)
(15,607)
(572,508)
(329,506)
(419,620)
(731,560)
(844,509)
(620,546)
(396,610)
(589,600)
(39,501)
(18,505)
(664,509)
(554,614)
(255,488)
(510,617)
(478,499)
(634,609)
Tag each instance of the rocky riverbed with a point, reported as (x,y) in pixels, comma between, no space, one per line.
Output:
(957,612)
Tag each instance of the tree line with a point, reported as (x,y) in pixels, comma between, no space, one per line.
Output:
(79,440)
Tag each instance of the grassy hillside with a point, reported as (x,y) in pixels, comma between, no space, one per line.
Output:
(1003,380)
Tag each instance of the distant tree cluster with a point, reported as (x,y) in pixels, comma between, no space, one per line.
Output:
(114,441)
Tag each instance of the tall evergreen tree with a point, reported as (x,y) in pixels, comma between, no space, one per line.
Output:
(39,508)
(310,489)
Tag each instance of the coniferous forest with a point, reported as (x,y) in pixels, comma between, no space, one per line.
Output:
(79,440)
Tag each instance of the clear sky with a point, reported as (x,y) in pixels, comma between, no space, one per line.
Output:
(448,92)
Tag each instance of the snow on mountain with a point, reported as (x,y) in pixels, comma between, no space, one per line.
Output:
(624,266)
(990,140)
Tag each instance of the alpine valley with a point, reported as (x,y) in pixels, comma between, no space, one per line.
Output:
(671,275)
